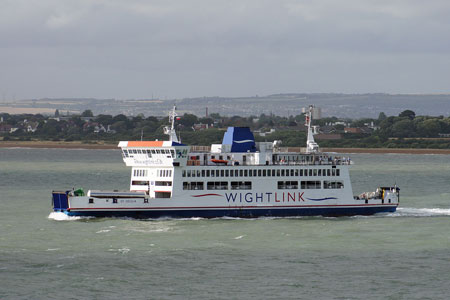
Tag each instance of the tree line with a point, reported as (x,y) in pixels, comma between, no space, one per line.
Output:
(403,131)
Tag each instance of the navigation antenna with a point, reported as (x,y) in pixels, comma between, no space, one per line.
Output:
(170,131)
(311,145)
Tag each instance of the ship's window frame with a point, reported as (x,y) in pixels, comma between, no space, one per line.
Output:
(241,173)
(140,182)
(162,194)
(231,173)
(274,172)
(194,185)
(264,172)
(207,173)
(338,172)
(329,172)
(335,184)
(241,185)
(287,185)
(282,172)
(311,184)
(163,183)
(245,173)
(183,174)
(250,173)
(217,185)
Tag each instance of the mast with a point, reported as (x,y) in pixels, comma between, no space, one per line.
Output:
(170,131)
(311,145)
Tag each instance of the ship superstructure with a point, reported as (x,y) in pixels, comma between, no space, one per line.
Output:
(237,178)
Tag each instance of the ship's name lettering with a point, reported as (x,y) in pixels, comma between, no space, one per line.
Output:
(149,162)
(264,197)
(128,201)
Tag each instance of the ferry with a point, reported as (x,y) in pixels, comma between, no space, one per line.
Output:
(237,178)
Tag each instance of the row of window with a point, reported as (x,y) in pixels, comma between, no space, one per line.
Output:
(163,173)
(159,173)
(149,152)
(140,173)
(247,185)
(261,173)
(218,185)
(157,183)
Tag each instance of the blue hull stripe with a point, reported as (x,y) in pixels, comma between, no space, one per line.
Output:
(241,213)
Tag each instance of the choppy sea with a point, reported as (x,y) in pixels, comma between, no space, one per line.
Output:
(401,255)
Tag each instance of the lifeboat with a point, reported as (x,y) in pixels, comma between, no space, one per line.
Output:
(219,161)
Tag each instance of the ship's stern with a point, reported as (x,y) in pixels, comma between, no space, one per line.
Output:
(60,201)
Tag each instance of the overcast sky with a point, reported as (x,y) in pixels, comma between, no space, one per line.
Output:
(190,48)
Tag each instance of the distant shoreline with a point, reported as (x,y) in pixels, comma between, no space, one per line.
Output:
(101,145)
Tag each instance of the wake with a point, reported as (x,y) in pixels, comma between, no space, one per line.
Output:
(420,212)
(60,216)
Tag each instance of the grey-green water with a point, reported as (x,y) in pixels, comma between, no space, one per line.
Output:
(405,255)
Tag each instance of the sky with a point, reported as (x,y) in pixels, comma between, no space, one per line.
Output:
(140,49)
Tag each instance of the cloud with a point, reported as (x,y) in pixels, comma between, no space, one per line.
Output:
(203,47)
